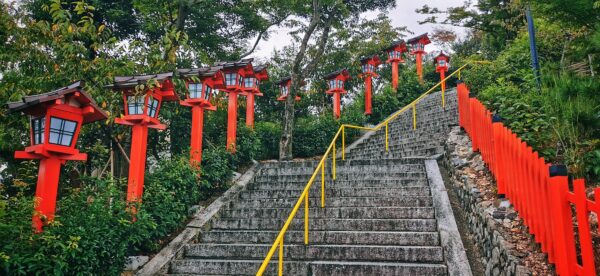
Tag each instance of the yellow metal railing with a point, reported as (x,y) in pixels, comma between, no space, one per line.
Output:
(278,243)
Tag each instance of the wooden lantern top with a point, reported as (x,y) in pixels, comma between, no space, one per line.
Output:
(373,60)
(74,94)
(243,67)
(422,39)
(211,75)
(128,83)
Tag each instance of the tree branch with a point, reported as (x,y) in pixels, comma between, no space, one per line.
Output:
(260,35)
(321,43)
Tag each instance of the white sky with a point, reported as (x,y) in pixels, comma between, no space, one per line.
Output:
(403,15)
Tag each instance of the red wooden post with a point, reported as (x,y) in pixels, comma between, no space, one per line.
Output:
(418,49)
(201,84)
(442,63)
(395,52)
(56,118)
(141,113)
(583,225)
(252,89)
(336,82)
(563,224)
(234,73)
(369,65)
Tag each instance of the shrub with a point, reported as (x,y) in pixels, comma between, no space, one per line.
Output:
(269,134)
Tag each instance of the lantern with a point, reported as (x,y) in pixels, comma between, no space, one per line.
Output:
(285,85)
(417,47)
(234,73)
(442,63)
(199,97)
(369,65)
(141,112)
(336,81)
(56,118)
(251,89)
(395,52)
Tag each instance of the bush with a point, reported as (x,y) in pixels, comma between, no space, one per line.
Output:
(269,134)
(312,135)
(216,171)
(248,145)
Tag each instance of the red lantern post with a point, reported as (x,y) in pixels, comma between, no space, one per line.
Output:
(56,118)
(251,89)
(442,63)
(141,112)
(234,73)
(284,88)
(395,52)
(417,47)
(369,65)
(199,98)
(336,82)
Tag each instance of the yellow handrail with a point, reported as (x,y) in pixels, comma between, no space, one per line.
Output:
(304,196)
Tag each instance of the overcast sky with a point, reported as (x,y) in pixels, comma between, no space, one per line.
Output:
(403,15)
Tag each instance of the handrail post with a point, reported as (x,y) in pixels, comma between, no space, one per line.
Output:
(306,218)
(386,136)
(414,116)
(333,160)
(343,143)
(459,71)
(323,185)
(281,257)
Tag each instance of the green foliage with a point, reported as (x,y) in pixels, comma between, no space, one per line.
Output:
(216,171)
(384,104)
(248,144)
(268,133)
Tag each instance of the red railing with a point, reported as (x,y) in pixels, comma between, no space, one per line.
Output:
(538,191)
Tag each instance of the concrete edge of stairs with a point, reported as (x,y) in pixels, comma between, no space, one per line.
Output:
(160,262)
(454,251)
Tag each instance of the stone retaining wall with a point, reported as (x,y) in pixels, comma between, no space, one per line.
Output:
(490,219)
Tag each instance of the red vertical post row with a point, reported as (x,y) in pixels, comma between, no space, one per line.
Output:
(583,227)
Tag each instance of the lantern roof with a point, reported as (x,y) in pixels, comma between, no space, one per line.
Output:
(132,81)
(423,39)
(129,82)
(202,72)
(440,56)
(374,58)
(32,105)
(342,72)
(232,65)
(287,79)
(260,72)
(398,43)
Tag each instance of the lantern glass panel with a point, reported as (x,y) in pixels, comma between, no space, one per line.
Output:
(340,84)
(62,131)
(152,106)
(195,90)
(230,79)
(135,105)
(249,82)
(442,62)
(284,90)
(37,126)
(207,92)
(241,80)
(331,84)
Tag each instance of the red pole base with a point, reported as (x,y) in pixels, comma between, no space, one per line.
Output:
(196,139)
(137,164)
(45,192)
(250,110)
(336,105)
(419,63)
(368,87)
(232,121)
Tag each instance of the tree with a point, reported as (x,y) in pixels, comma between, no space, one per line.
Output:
(322,18)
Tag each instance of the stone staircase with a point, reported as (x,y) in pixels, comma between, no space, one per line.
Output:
(379,217)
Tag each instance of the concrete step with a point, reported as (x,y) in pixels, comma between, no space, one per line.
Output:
(250,267)
(324,237)
(334,212)
(339,192)
(338,183)
(318,252)
(413,225)
(413,201)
